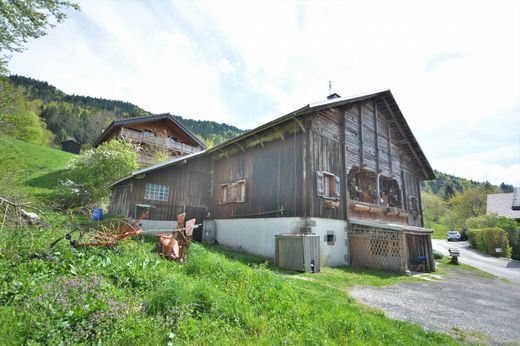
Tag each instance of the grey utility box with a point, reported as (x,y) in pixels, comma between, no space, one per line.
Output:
(300,252)
(209,231)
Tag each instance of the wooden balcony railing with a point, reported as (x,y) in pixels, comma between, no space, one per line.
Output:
(161,141)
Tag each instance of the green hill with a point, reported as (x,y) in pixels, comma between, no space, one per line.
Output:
(83,117)
(29,170)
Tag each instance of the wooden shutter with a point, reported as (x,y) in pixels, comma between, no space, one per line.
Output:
(229,193)
(337,186)
(319,183)
(241,191)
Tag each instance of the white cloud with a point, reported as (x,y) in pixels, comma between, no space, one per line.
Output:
(454,67)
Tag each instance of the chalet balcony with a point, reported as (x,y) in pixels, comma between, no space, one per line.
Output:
(160,141)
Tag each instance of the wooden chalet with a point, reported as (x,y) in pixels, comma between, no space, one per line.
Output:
(155,133)
(346,169)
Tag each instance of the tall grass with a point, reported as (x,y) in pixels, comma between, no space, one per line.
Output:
(129,294)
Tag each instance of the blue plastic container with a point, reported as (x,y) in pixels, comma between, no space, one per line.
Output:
(97,214)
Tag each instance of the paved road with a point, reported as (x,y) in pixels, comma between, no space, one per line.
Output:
(485,310)
(501,267)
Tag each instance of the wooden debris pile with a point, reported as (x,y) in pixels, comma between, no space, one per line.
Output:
(16,215)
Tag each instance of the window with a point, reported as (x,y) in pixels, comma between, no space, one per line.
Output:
(414,205)
(156,192)
(232,192)
(330,238)
(327,185)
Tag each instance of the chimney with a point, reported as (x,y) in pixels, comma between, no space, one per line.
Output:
(333,96)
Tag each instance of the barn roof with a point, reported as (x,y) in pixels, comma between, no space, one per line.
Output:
(503,204)
(144,119)
(383,98)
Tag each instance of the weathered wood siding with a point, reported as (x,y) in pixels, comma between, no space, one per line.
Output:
(273,175)
(279,166)
(370,142)
(189,191)
(325,155)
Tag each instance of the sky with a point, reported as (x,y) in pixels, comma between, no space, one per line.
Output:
(453,66)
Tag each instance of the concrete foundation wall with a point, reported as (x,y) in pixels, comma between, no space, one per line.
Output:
(256,236)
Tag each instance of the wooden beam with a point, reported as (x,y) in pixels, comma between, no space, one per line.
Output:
(404,136)
(389,141)
(343,164)
(360,128)
(376,138)
(241,147)
(259,140)
(299,124)
(280,133)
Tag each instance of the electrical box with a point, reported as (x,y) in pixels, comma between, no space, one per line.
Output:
(299,252)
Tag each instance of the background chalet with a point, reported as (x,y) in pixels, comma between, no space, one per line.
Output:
(154,134)
(346,169)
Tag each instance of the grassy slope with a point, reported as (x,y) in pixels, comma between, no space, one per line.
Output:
(129,295)
(37,170)
(440,231)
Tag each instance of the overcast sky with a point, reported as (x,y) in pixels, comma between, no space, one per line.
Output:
(453,66)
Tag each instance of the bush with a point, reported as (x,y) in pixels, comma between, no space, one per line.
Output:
(509,225)
(437,255)
(91,172)
(487,240)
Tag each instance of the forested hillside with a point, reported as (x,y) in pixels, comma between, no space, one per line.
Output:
(83,117)
(447,185)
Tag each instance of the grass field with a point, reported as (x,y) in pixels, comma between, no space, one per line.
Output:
(439,231)
(35,170)
(129,295)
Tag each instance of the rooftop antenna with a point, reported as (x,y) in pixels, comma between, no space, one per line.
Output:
(330,88)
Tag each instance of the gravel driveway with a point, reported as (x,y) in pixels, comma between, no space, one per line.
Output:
(485,310)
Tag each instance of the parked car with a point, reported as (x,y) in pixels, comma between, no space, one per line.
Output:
(453,235)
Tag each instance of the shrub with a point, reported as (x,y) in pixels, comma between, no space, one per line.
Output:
(437,255)
(488,239)
(91,172)
(509,225)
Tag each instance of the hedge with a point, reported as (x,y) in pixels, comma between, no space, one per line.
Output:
(487,240)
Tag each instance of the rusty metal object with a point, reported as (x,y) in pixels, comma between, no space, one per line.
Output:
(107,233)
(174,245)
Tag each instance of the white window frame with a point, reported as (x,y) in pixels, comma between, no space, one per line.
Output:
(156,192)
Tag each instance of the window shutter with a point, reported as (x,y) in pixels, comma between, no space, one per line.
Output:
(319,183)
(229,193)
(337,186)
(242,195)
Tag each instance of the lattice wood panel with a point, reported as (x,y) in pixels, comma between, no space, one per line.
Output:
(377,248)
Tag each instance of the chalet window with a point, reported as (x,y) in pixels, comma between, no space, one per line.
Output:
(232,192)
(414,205)
(327,185)
(156,192)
